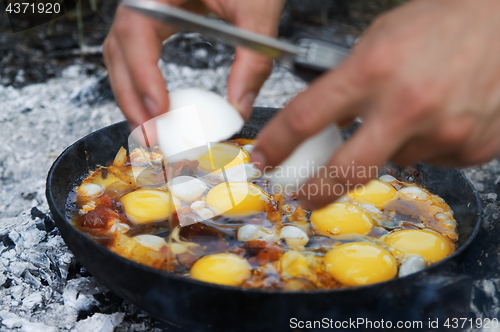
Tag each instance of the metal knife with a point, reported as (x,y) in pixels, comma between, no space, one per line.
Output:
(308,58)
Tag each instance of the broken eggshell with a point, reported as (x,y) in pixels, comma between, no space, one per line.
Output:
(303,163)
(195,118)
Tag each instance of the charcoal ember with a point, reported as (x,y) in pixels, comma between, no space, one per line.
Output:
(28,196)
(7,241)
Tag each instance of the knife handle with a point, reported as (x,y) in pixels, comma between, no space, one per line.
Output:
(319,58)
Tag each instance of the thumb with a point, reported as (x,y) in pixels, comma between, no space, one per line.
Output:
(248,73)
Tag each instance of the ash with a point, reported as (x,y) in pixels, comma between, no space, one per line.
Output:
(43,287)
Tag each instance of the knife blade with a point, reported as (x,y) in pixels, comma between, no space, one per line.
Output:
(309,58)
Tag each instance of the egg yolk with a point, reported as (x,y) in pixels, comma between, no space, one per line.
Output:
(236,199)
(374,192)
(221,156)
(295,265)
(430,246)
(359,263)
(223,269)
(146,205)
(340,218)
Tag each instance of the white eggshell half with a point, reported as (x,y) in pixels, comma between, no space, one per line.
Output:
(195,117)
(187,188)
(305,160)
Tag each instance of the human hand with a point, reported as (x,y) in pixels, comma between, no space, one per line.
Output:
(132,50)
(425,78)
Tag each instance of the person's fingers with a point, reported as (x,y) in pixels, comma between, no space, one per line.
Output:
(250,69)
(248,73)
(334,97)
(127,98)
(141,46)
(122,86)
(355,163)
(475,154)
(415,150)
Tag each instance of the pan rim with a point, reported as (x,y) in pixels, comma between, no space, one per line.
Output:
(60,217)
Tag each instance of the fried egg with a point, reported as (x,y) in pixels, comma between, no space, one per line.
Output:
(222,155)
(146,205)
(236,199)
(374,192)
(222,269)
(359,263)
(431,246)
(340,218)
